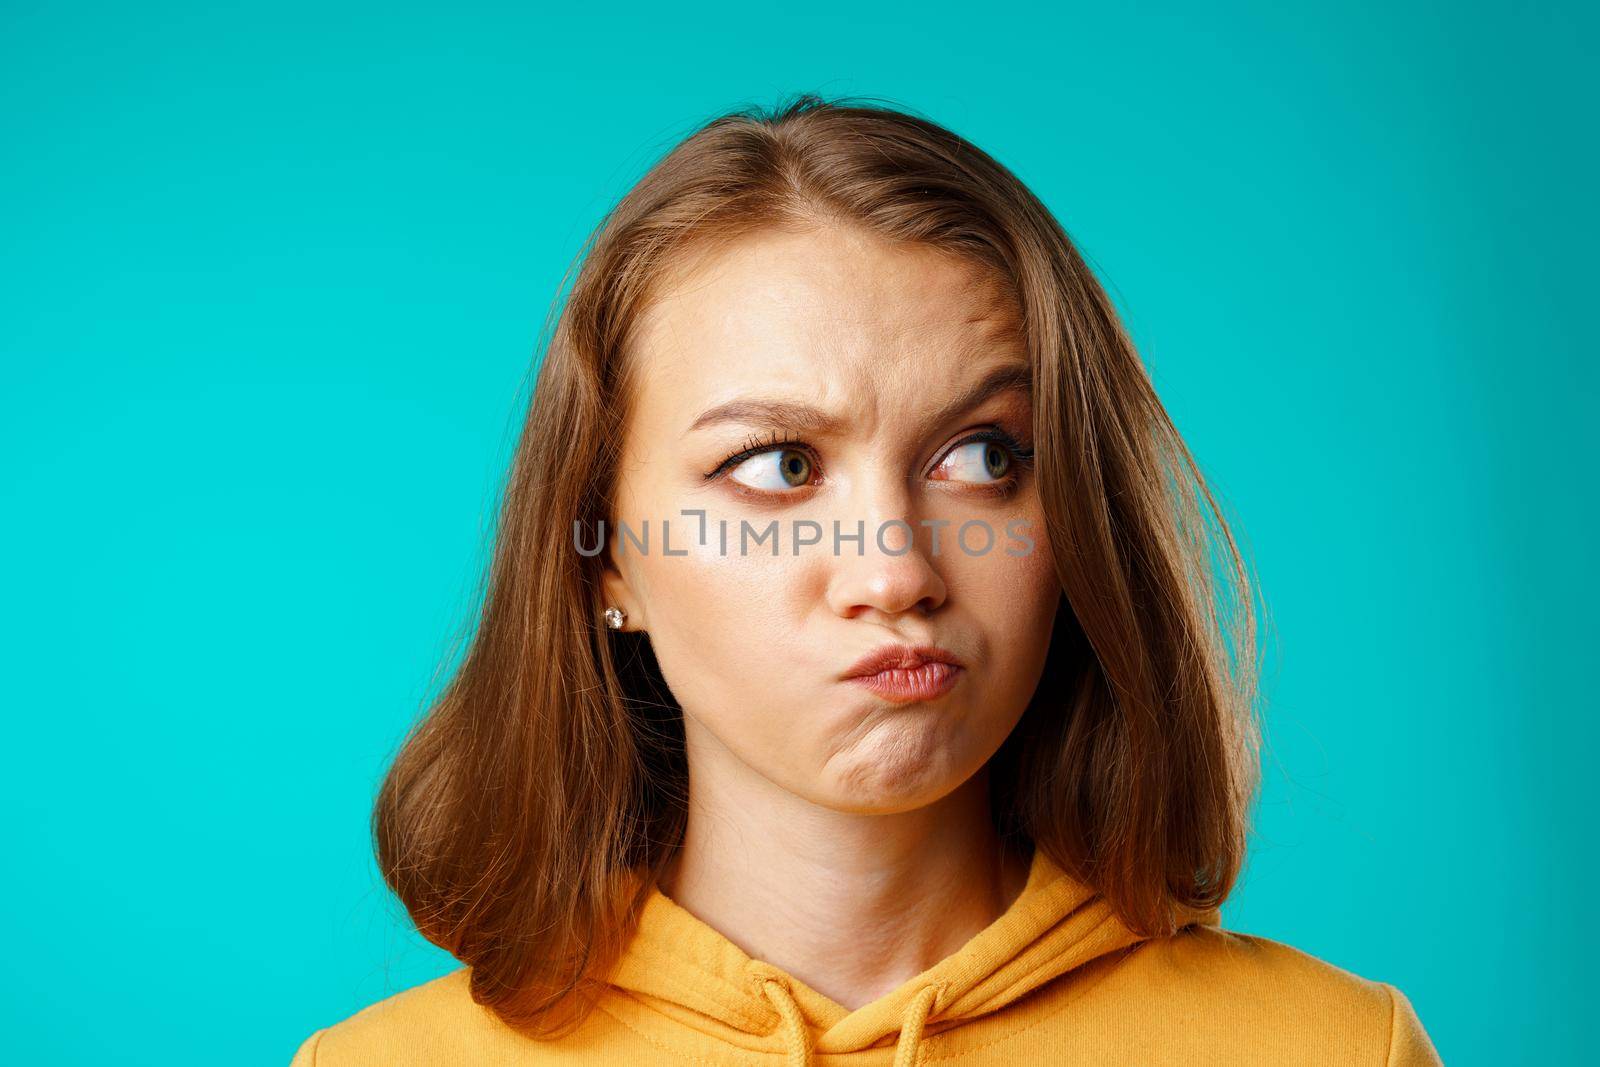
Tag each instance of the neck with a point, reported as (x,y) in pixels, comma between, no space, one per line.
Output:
(851,904)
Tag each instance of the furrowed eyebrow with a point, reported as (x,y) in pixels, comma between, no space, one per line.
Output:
(1001,379)
(762,411)
(804,418)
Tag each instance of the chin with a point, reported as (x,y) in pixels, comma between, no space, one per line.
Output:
(890,778)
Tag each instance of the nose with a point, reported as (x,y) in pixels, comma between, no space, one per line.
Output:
(890,574)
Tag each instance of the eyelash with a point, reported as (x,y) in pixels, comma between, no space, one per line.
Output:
(754,447)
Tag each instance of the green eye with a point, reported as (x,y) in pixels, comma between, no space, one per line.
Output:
(971,461)
(996,460)
(792,469)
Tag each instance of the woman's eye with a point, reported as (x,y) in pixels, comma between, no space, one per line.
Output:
(972,461)
(988,461)
(774,471)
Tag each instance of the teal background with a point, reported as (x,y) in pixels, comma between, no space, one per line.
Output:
(273,275)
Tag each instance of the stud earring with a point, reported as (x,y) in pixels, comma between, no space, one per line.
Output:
(615,617)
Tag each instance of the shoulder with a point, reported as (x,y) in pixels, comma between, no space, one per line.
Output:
(432,1023)
(1249,961)
(1282,996)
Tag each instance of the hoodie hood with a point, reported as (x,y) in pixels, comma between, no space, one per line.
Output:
(680,967)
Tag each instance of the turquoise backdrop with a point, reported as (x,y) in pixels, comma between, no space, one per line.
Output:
(273,274)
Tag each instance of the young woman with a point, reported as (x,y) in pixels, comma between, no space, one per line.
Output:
(865,673)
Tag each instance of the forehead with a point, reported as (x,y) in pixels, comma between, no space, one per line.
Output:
(831,313)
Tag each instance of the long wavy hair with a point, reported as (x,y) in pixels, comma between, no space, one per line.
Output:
(534,805)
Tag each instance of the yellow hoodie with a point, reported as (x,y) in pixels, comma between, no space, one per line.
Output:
(1056,979)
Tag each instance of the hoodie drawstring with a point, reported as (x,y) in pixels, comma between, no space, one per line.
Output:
(798,1040)
(794,1026)
(905,1049)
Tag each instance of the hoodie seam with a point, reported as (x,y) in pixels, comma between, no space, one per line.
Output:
(1394,1012)
(931,1057)
(1040,1021)
(654,1042)
(728,995)
(315,1046)
(1025,981)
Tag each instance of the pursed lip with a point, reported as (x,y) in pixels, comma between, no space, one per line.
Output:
(899,657)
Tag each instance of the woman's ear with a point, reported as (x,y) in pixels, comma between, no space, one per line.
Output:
(619,594)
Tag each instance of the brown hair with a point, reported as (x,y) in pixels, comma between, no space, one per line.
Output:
(530,810)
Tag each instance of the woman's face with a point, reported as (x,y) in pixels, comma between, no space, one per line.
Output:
(816,379)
